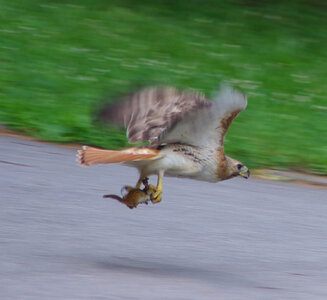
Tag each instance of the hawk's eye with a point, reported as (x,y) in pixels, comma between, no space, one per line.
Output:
(239,166)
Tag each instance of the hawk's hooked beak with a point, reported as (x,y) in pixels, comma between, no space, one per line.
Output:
(244,172)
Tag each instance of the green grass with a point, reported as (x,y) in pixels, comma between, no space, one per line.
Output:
(60,59)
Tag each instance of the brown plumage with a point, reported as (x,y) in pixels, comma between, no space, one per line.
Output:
(151,112)
(186,133)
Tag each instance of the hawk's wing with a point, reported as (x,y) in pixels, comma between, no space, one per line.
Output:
(150,112)
(165,115)
(207,126)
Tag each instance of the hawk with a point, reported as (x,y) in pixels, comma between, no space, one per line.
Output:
(185,132)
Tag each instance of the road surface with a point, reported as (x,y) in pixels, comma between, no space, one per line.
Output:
(238,239)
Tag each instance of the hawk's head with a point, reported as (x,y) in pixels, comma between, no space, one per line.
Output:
(238,169)
(243,170)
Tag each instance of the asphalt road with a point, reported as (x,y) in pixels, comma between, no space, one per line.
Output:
(239,239)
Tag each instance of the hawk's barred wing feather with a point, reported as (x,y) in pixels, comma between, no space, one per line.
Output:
(166,115)
(152,111)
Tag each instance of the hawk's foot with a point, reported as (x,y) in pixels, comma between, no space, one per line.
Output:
(156,194)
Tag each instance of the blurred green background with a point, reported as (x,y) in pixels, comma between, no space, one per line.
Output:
(60,59)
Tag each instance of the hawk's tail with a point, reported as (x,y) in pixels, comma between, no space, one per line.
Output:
(88,156)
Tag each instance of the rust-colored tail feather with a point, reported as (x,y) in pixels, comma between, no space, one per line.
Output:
(89,155)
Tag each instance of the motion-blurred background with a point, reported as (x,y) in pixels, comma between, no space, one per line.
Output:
(60,59)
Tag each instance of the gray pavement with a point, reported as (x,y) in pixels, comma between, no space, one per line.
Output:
(239,239)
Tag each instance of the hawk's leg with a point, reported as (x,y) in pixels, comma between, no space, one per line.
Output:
(141,180)
(157,195)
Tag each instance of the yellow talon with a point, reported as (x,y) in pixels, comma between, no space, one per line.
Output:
(154,193)
(157,195)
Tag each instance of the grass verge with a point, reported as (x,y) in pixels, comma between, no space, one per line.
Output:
(60,59)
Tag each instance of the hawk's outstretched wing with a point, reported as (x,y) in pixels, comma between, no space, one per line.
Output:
(166,115)
(207,126)
(151,111)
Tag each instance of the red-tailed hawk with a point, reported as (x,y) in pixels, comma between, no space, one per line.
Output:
(186,137)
